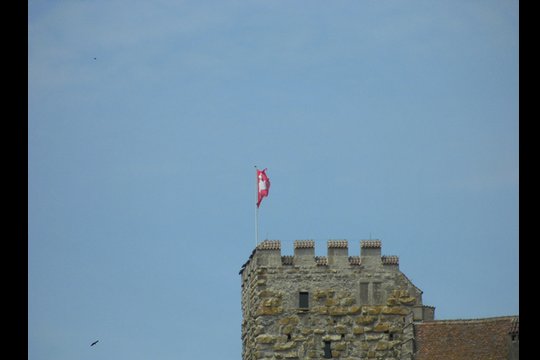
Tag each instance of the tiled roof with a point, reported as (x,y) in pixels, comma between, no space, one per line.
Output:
(390,259)
(463,339)
(321,260)
(304,244)
(338,244)
(269,245)
(370,243)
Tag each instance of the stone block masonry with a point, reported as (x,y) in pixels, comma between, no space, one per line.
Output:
(337,306)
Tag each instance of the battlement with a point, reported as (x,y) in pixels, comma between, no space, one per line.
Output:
(364,244)
(269,245)
(390,260)
(268,253)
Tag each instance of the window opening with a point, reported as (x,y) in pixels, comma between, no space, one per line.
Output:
(304,300)
(364,296)
(327,350)
(377,293)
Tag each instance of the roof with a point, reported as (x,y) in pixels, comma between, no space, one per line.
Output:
(464,339)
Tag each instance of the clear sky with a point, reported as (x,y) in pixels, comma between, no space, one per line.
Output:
(391,120)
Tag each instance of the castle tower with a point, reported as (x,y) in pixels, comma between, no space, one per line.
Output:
(336,306)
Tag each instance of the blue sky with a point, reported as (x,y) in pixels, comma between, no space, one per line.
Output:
(376,119)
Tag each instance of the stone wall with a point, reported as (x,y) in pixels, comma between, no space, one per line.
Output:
(313,307)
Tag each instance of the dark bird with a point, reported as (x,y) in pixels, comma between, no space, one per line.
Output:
(94,343)
(95,58)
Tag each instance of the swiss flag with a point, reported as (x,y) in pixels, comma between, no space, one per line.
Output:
(263,185)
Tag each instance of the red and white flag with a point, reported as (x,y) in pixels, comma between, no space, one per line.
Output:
(263,185)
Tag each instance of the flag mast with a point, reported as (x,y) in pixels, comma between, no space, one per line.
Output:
(262,186)
(256,208)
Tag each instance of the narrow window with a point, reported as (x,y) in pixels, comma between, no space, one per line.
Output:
(327,350)
(364,296)
(377,293)
(304,300)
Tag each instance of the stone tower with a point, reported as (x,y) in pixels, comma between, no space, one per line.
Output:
(336,306)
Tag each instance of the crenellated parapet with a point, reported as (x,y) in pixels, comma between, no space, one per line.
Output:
(268,253)
(374,244)
(304,244)
(269,245)
(390,260)
(338,244)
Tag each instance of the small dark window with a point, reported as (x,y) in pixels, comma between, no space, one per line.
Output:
(391,337)
(304,300)
(327,350)
(288,336)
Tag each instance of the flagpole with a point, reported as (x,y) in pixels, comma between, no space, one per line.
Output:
(256,208)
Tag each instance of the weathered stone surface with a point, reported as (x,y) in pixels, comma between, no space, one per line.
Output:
(365,320)
(271,302)
(270,310)
(373,337)
(293,320)
(407,300)
(265,339)
(341,329)
(312,354)
(356,320)
(338,311)
(267,293)
(392,301)
(381,327)
(331,302)
(320,310)
(372,310)
(331,337)
(284,346)
(347,301)
(288,329)
(395,310)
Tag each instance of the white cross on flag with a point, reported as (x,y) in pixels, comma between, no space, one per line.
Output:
(263,186)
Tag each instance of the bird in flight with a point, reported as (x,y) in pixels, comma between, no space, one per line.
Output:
(94,343)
